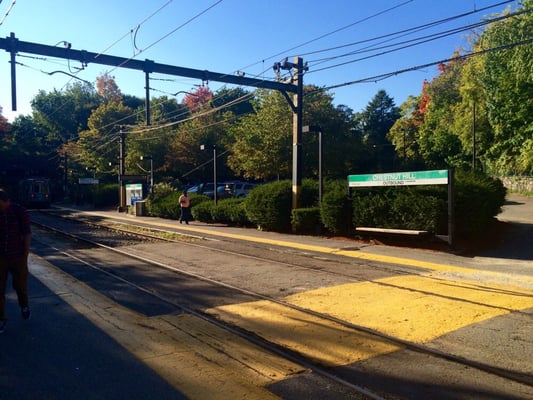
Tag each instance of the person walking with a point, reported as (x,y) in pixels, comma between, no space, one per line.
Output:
(185,205)
(15,237)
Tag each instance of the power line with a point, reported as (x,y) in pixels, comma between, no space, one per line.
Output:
(329,34)
(380,77)
(409,30)
(414,42)
(168,34)
(136,28)
(7,11)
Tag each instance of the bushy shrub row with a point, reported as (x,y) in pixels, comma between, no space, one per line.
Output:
(478,199)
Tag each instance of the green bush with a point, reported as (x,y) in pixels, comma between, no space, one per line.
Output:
(155,197)
(230,211)
(336,207)
(414,210)
(166,207)
(269,206)
(202,211)
(106,195)
(371,209)
(478,199)
(306,220)
(399,208)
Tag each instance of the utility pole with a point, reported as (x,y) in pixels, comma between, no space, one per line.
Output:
(148,68)
(474,136)
(296,104)
(122,171)
(65,176)
(294,85)
(297,134)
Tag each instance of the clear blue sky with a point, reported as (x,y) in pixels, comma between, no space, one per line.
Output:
(236,35)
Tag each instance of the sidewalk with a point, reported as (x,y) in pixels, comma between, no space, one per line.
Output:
(511,252)
(58,354)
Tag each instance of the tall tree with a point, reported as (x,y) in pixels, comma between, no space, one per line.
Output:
(64,113)
(404,132)
(99,144)
(262,148)
(376,120)
(438,143)
(507,84)
(108,89)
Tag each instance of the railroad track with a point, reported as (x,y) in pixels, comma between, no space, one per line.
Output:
(107,238)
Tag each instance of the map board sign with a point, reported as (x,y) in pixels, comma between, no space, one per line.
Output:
(434,177)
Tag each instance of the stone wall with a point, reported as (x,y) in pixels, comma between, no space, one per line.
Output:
(520,184)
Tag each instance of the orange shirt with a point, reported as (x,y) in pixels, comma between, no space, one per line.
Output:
(184,201)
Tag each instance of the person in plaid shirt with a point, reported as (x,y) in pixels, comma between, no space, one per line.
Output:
(15,236)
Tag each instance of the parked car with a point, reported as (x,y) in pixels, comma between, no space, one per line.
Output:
(207,189)
(238,188)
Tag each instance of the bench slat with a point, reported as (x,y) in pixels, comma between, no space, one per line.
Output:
(392,231)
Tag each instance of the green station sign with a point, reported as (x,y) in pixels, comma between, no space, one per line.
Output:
(434,177)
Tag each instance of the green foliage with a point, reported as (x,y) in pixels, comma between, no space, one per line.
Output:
(305,220)
(203,211)
(159,192)
(269,206)
(262,148)
(370,209)
(507,81)
(166,206)
(499,85)
(230,211)
(336,207)
(399,208)
(106,195)
(478,199)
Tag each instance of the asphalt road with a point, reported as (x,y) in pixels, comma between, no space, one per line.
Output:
(514,236)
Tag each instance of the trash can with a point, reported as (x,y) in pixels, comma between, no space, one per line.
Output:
(139,208)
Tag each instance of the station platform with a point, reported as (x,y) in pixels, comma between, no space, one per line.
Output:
(511,256)
(61,354)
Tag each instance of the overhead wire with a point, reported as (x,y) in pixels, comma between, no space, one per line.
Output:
(359,21)
(406,32)
(177,122)
(7,12)
(136,28)
(380,77)
(412,42)
(287,50)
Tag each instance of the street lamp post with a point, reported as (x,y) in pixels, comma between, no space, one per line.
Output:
(318,129)
(151,170)
(202,147)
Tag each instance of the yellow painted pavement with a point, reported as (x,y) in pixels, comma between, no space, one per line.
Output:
(413,308)
(359,254)
(417,308)
(197,358)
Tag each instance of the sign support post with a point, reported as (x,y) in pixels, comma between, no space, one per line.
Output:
(433,177)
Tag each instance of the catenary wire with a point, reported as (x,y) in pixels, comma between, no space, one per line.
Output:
(380,77)
(413,42)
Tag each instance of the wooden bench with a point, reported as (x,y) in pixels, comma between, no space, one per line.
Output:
(367,230)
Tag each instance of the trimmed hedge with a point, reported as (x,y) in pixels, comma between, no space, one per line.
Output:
(336,207)
(203,211)
(230,211)
(478,199)
(306,220)
(401,208)
(269,205)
